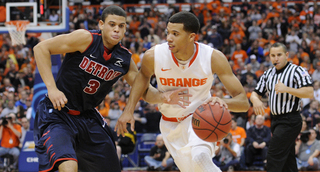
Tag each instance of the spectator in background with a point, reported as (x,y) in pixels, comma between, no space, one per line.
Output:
(9,109)
(237,35)
(312,114)
(316,92)
(53,17)
(316,58)
(25,127)
(256,50)
(10,133)
(159,158)
(254,63)
(114,114)
(22,101)
(307,150)
(253,31)
(29,108)
(293,40)
(316,73)
(125,144)
(144,28)
(103,110)
(122,101)
(215,38)
(225,30)
(134,24)
(135,56)
(258,138)
(250,122)
(140,119)
(227,154)
(7,86)
(153,117)
(239,54)
(153,36)
(238,133)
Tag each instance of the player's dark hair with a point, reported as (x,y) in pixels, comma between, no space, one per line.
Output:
(113,10)
(190,21)
(279,44)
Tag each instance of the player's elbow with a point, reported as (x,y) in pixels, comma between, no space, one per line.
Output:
(244,106)
(38,48)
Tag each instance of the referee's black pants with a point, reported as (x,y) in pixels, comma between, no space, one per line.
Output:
(281,153)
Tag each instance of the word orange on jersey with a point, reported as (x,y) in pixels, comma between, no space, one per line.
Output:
(183,82)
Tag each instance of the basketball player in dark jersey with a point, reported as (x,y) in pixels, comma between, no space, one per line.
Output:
(69,133)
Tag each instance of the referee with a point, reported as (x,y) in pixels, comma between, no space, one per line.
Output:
(285,84)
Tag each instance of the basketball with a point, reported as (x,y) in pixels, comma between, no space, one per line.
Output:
(211,122)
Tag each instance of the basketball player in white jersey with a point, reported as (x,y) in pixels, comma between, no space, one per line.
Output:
(184,63)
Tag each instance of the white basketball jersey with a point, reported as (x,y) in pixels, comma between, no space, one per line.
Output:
(196,76)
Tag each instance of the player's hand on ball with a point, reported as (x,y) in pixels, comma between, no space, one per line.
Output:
(179,97)
(121,125)
(213,100)
(57,98)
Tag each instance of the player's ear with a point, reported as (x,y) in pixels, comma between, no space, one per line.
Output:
(192,37)
(101,23)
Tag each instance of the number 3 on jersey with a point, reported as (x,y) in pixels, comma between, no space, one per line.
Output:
(93,86)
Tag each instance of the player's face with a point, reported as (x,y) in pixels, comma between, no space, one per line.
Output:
(177,38)
(278,57)
(113,29)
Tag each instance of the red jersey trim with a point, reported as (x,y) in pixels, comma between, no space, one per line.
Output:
(125,48)
(193,58)
(91,40)
(195,54)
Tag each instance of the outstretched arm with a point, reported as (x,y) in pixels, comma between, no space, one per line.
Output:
(140,85)
(142,88)
(258,106)
(220,66)
(303,92)
(76,41)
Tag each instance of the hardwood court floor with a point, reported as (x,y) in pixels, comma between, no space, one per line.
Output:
(178,171)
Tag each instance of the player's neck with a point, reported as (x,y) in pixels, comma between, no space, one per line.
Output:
(186,54)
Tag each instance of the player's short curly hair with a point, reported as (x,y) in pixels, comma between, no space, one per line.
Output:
(113,10)
(190,21)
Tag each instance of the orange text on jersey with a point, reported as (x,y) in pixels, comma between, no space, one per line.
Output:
(183,82)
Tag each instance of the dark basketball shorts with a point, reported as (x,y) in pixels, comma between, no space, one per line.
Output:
(84,138)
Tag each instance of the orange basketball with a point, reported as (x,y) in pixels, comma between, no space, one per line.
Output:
(211,122)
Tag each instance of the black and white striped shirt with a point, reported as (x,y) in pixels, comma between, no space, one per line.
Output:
(292,76)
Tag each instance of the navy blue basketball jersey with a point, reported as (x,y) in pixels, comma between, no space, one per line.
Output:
(86,78)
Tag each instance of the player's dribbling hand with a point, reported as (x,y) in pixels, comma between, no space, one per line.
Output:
(121,125)
(213,100)
(57,98)
(179,97)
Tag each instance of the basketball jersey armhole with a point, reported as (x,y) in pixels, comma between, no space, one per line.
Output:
(90,42)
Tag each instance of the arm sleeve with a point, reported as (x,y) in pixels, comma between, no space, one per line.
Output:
(302,77)
(261,85)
